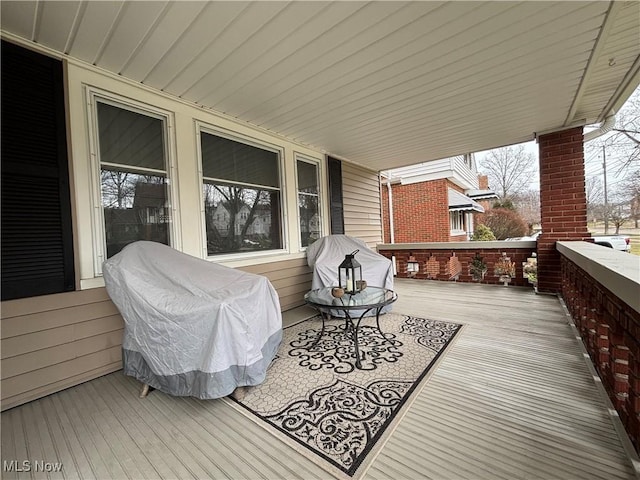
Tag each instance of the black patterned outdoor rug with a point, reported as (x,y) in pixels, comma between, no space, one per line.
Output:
(335,414)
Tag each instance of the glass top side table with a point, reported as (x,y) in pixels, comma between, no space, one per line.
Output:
(354,307)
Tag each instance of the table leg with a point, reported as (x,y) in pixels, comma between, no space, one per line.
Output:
(378,310)
(353,329)
(315,342)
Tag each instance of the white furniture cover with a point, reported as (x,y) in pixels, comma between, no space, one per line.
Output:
(327,253)
(192,327)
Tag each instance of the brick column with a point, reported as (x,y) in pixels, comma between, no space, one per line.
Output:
(563,202)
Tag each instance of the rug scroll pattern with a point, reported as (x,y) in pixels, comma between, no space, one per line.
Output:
(317,398)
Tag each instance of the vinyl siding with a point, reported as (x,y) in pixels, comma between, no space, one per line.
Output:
(361,200)
(290,278)
(52,342)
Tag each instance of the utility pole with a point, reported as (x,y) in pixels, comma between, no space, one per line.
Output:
(606,202)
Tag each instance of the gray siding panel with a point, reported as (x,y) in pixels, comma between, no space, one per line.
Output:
(361,199)
(52,342)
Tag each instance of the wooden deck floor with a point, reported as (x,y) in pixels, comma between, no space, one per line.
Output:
(514,398)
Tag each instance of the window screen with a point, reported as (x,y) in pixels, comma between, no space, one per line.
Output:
(241,189)
(133,177)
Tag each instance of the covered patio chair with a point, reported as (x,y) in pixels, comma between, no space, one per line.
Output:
(325,255)
(192,327)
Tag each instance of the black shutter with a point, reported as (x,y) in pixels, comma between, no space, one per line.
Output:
(37,238)
(335,195)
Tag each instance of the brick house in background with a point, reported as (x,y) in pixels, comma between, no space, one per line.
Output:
(434,201)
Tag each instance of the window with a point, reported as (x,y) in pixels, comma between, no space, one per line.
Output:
(133,175)
(242,200)
(456,221)
(308,202)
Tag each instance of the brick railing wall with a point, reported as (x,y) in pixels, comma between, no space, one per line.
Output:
(610,331)
(452,261)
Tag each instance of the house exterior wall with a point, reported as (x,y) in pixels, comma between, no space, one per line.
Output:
(361,203)
(420,212)
(56,341)
(53,342)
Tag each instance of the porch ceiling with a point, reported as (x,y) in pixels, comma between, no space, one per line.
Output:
(383,84)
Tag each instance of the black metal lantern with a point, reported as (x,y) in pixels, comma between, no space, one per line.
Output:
(350,274)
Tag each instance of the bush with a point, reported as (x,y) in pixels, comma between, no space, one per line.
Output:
(505,223)
(483,234)
(504,203)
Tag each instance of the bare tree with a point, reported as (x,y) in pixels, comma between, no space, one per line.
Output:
(631,186)
(117,189)
(622,144)
(595,195)
(527,204)
(510,170)
(617,216)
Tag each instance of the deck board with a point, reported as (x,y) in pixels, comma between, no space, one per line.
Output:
(512,398)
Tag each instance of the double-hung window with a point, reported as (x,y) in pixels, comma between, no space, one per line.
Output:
(242,196)
(457,222)
(308,201)
(133,170)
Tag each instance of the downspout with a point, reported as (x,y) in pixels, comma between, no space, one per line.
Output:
(605,127)
(390,201)
(391,234)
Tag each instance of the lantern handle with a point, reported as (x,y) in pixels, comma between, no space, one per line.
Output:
(353,254)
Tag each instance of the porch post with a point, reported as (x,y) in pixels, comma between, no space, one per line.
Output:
(563,201)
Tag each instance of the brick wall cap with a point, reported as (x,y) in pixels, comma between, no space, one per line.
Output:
(496,245)
(616,270)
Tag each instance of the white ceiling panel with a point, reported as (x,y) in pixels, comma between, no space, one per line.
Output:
(194,42)
(227,43)
(263,44)
(55,25)
(21,16)
(166,32)
(381,83)
(319,53)
(275,59)
(94,22)
(135,21)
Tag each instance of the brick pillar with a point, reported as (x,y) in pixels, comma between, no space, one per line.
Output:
(563,202)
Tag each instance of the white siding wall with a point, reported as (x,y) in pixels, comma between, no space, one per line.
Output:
(361,201)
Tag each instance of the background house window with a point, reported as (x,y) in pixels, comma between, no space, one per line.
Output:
(241,188)
(457,222)
(308,202)
(133,177)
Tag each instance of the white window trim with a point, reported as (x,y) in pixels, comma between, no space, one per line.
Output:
(456,231)
(201,127)
(93,95)
(318,164)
